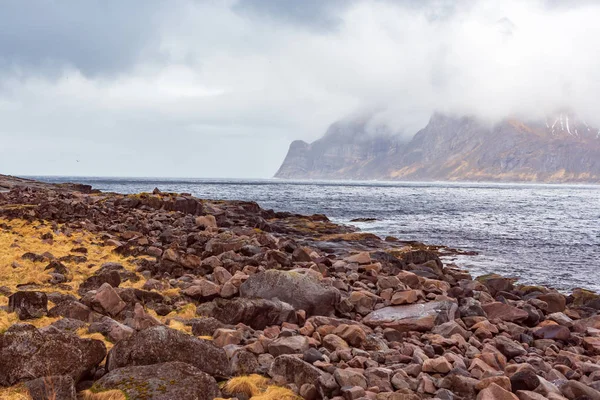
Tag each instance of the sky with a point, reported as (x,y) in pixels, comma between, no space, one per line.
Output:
(192,88)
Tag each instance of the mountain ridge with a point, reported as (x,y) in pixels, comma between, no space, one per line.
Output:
(559,149)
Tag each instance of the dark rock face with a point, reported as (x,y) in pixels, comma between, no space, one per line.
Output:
(560,149)
(52,388)
(160,344)
(166,381)
(301,291)
(256,313)
(28,353)
(28,305)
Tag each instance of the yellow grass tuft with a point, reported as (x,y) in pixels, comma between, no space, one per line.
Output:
(180,326)
(277,393)
(8,319)
(18,392)
(251,385)
(83,333)
(107,395)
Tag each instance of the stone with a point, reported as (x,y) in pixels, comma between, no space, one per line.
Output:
(528,395)
(303,292)
(592,344)
(141,319)
(556,302)
(359,258)
(291,369)
(436,365)
(577,390)
(362,301)
(350,377)
(206,221)
(333,342)
(27,352)
(28,305)
(113,278)
(380,377)
(414,317)
(353,393)
(496,283)
(447,329)
(160,344)
(509,347)
(405,297)
(288,345)
(203,290)
(256,313)
(71,309)
(525,379)
(504,312)
(555,332)
(223,337)
(206,326)
(113,330)
(61,387)
(165,381)
(105,300)
(354,335)
(495,392)
(244,363)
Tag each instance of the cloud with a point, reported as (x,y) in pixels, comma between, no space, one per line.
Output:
(205,88)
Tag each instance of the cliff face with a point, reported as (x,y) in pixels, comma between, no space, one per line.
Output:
(560,149)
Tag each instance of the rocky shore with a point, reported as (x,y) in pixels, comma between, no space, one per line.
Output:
(166,296)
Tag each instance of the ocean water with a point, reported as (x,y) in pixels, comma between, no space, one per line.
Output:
(541,234)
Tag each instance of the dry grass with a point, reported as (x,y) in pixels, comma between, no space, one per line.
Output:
(277,393)
(180,326)
(108,395)
(83,333)
(18,392)
(251,385)
(257,387)
(24,236)
(9,319)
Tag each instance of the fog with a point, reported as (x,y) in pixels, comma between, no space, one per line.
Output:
(220,89)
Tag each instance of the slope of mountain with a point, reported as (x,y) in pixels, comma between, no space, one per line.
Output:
(560,149)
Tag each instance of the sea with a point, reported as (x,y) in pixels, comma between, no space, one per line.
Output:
(540,234)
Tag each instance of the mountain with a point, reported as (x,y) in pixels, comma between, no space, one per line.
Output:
(562,148)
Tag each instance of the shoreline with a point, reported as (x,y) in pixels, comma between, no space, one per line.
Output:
(274,293)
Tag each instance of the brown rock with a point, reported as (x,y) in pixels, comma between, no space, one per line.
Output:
(437,365)
(106,300)
(350,377)
(556,302)
(504,312)
(333,342)
(223,337)
(414,317)
(495,392)
(405,297)
(28,305)
(60,387)
(353,334)
(288,345)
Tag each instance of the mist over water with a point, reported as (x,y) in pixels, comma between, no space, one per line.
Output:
(542,234)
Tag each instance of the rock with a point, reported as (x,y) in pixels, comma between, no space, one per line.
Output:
(141,319)
(509,347)
(95,281)
(405,297)
(333,342)
(525,379)
(288,345)
(353,392)
(353,334)
(496,283)
(380,377)
(359,258)
(165,381)
(554,332)
(61,387)
(528,395)
(437,365)
(26,353)
(160,344)
(244,363)
(203,290)
(447,329)
(71,309)
(592,344)
(223,337)
(504,312)
(206,221)
(499,380)
(350,377)
(577,390)
(256,313)
(414,317)
(206,326)
(301,291)
(556,302)
(113,330)
(293,370)
(105,300)
(495,392)
(28,305)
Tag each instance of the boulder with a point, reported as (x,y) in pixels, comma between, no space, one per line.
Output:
(28,305)
(256,313)
(105,300)
(95,281)
(577,390)
(165,381)
(293,370)
(160,344)
(556,302)
(61,387)
(504,312)
(27,352)
(414,317)
(495,392)
(303,292)
(289,345)
(72,309)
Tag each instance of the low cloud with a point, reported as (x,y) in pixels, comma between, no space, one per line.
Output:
(202,88)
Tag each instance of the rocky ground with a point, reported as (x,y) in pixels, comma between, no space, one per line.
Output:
(165,296)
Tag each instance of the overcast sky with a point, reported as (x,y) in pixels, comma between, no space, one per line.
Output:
(185,88)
